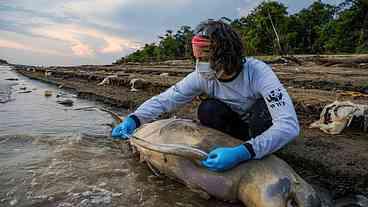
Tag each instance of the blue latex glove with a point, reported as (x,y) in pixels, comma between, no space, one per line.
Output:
(224,158)
(124,129)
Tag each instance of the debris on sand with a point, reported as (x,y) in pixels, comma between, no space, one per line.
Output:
(136,84)
(13,202)
(12,79)
(48,93)
(65,102)
(28,91)
(164,74)
(106,81)
(337,116)
(65,95)
(353,94)
(59,95)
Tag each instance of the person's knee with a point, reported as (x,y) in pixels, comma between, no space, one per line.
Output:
(216,114)
(260,119)
(212,112)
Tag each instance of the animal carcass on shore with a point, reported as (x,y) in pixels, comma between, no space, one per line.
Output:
(269,182)
(335,117)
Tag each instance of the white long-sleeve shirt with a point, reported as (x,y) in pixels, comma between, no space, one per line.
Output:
(256,80)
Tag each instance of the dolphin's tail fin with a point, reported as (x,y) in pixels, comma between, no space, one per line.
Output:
(352,201)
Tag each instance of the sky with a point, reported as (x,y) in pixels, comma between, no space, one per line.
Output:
(75,32)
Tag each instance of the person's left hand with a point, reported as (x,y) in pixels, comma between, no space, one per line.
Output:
(124,129)
(224,158)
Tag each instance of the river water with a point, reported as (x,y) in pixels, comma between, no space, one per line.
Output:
(54,155)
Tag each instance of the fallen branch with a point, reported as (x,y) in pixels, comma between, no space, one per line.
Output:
(347,62)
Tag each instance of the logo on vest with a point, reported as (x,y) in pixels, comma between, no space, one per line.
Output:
(275,98)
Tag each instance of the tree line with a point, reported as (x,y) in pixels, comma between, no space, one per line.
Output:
(270,30)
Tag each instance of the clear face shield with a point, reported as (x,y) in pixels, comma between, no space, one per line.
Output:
(200,45)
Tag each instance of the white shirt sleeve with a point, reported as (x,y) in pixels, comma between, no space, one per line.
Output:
(177,95)
(285,123)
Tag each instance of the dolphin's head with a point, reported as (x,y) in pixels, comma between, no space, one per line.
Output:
(286,192)
(303,198)
(283,192)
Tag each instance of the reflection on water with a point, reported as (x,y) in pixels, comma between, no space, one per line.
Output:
(83,171)
(33,113)
(52,155)
(5,92)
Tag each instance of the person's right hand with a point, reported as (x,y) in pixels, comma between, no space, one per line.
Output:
(124,129)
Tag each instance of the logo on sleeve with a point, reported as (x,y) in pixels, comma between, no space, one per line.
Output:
(275,98)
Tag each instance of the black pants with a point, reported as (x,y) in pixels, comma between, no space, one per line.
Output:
(216,114)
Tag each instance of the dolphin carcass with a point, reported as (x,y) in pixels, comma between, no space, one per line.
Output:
(335,117)
(174,147)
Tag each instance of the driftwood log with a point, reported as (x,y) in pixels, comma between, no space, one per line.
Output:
(287,59)
(360,62)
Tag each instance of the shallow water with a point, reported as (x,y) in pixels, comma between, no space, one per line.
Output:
(52,155)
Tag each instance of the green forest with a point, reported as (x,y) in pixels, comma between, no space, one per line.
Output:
(270,30)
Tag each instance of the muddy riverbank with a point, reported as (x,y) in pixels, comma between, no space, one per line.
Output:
(338,163)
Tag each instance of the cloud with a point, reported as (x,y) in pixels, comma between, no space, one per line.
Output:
(19,46)
(82,50)
(73,34)
(64,34)
(114,45)
(91,28)
(247,7)
(11,44)
(295,6)
(101,31)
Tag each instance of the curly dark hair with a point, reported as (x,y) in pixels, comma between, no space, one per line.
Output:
(226,48)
